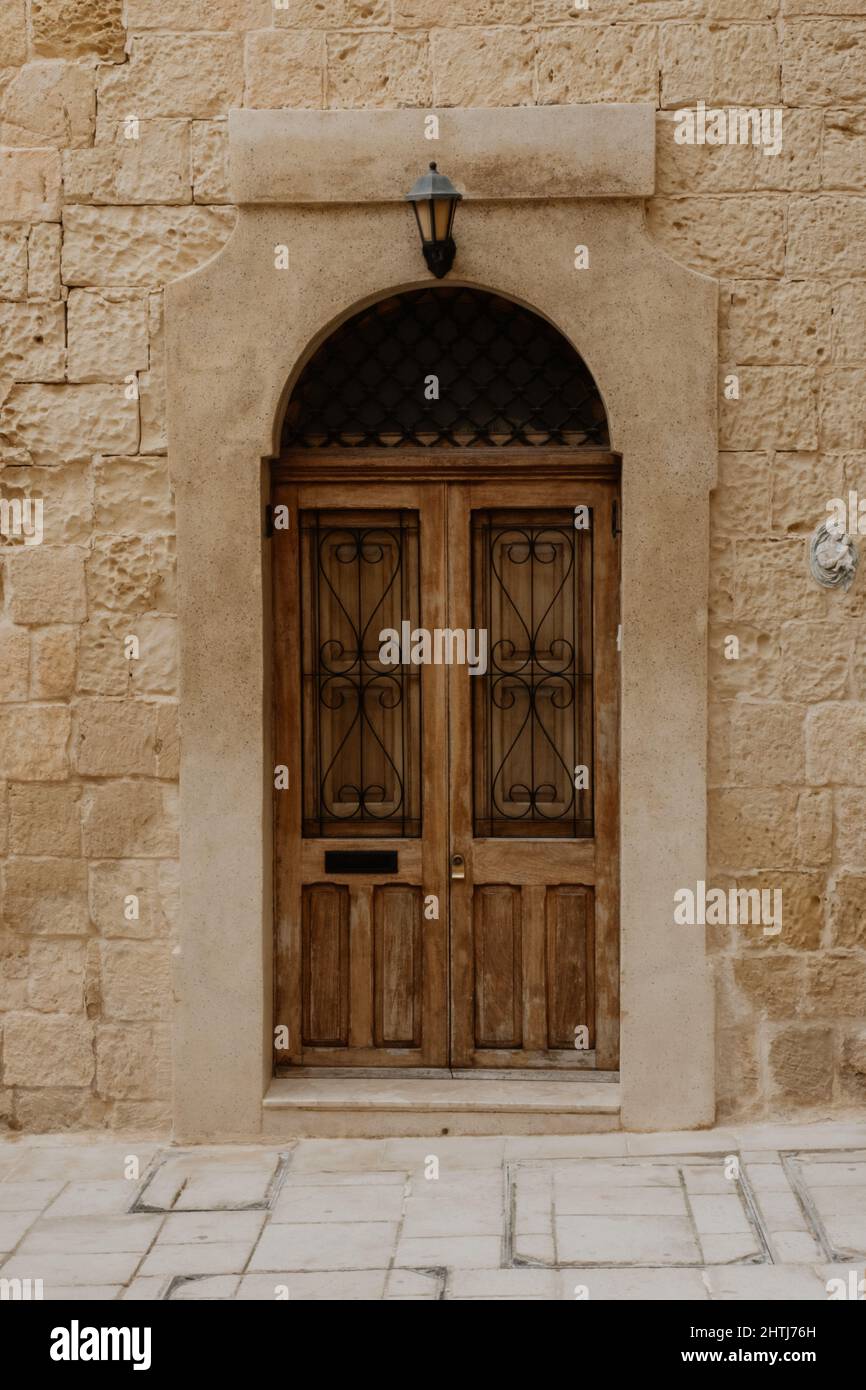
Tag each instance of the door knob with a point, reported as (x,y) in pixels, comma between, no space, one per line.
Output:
(458,867)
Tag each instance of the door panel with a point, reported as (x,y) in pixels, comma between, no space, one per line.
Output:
(363,982)
(534,950)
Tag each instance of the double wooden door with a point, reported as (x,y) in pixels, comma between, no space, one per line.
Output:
(446,752)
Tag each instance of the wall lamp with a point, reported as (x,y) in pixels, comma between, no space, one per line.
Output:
(434,199)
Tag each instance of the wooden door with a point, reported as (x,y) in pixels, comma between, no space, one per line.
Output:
(361,900)
(483,932)
(533,777)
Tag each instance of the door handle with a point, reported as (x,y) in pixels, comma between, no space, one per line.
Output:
(458,866)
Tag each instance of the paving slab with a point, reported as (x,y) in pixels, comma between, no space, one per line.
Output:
(362,1245)
(335,1285)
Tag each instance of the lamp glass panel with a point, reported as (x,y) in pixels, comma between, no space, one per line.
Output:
(423,212)
(442,217)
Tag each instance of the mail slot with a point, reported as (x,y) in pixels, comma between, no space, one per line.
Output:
(360,861)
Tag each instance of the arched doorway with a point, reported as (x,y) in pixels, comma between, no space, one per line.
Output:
(446,607)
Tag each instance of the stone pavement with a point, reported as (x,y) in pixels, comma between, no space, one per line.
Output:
(767,1212)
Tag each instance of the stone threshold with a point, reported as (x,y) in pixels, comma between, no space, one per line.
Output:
(384,1107)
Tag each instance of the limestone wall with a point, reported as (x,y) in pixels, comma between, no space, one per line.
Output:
(112,181)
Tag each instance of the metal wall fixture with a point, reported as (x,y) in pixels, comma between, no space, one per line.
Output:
(434,200)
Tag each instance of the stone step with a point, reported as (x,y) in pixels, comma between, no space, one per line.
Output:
(372,1108)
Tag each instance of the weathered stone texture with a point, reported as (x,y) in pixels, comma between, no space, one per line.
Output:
(78,28)
(591,62)
(482,67)
(175,75)
(378,70)
(737,64)
(107,334)
(54,1050)
(143,163)
(284,69)
(57,423)
(139,246)
(30,185)
(49,103)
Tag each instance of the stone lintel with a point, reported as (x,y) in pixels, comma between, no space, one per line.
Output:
(520,152)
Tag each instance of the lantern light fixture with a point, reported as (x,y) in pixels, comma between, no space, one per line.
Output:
(434,200)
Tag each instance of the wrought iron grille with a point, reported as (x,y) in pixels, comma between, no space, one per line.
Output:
(532,710)
(361,717)
(446,366)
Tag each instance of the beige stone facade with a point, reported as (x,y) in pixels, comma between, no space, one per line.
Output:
(113,183)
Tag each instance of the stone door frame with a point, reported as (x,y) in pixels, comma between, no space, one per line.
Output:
(328,187)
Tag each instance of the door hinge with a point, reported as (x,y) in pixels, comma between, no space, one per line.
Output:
(269,520)
(615,528)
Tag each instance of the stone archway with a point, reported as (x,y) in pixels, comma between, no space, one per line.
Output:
(328,186)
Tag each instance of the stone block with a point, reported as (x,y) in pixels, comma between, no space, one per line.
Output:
(801,1065)
(13,262)
(209,148)
(384,70)
(13,33)
(752,829)
(152,384)
(136,981)
(107,334)
(139,246)
(53,656)
(30,185)
(781,323)
(113,885)
(482,67)
(104,668)
(186,75)
(49,103)
(815,827)
(850,827)
(836,744)
(130,820)
(777,408)
(595,62)
(844,150)
(823,63)
(768,744)
(802,485)
(836,987)
(33,742)
(773,983)
(43,1051)
(14,663)
(202,15)
(55,983)
(78,29)
(772,583)
(46,585)
(44,819)
(732,65)
(56,424)
(847,910)
(43,261)
(742,495)
(133,1061)
(843,408)
(849,321)
(133,496)
(48,897)
(32,341)
(727,237)
(826,236)
(133,574)
(285,68)
(741,168)
(115,738)
(147,162)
